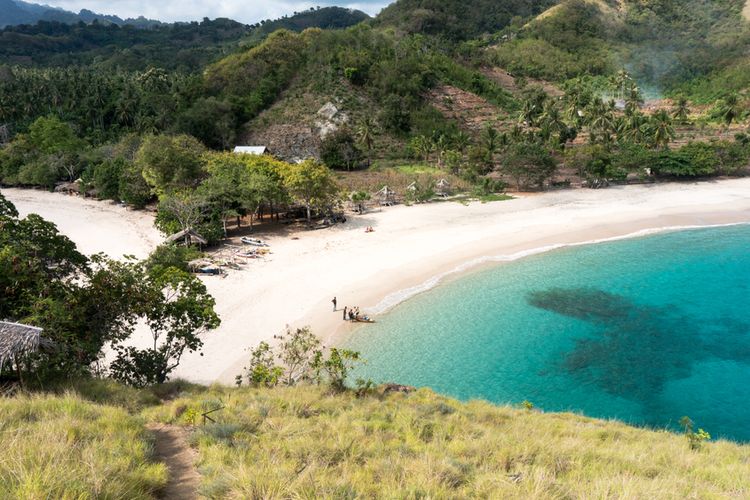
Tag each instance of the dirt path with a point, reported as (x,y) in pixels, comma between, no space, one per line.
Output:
(746,10)
(171,448)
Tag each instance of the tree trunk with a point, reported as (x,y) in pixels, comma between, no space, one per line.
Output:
(309,215)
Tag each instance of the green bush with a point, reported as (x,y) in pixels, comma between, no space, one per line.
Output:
(106,178)
(133,187)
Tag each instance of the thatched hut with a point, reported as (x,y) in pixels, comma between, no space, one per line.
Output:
(68,188)
(442,188)
(187,237)
(18,341)
(386,196)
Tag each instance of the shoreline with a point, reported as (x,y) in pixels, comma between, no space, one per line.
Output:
(412,249)
(397,297)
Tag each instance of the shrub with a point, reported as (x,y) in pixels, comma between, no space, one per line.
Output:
(106,178)
(133,187)
(339,150)
(529,164)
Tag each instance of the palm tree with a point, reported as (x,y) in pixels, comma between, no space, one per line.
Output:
(528,113)
(730,109)
(551,120)
(461,140)
(602,121)
(634,99)
(632,127)
(681,111)
(490,139)
(662,131)
(365,135)
(422,146)
(440,145)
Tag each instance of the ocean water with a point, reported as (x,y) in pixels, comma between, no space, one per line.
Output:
(644,330)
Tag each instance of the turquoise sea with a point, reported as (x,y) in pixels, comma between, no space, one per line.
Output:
(644,330)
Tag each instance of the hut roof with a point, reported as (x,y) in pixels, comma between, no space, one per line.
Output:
(68,186)
(184,234)
(17,339)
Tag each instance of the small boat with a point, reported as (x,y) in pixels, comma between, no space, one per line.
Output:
(253,241)
(363,319)
(211,270)
(249,255)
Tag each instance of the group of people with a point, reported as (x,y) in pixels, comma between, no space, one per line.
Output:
(350,313)
(369,229)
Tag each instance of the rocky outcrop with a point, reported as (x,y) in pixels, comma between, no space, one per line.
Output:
(329,119)
(289,142)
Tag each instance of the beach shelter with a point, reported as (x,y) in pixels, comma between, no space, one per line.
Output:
(386,196)
(442,187)
(18,341)
(188,237)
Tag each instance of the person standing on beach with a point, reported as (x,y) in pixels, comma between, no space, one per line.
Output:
(345,313)
(334,304)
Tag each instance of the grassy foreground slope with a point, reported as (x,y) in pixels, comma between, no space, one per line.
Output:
(304,442)
(65,447)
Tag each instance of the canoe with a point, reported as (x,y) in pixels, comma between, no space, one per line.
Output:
(362,320)
(253,241)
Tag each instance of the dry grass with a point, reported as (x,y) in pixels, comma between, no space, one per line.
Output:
(305,443)
(62,447)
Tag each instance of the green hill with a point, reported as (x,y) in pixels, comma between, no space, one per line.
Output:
(457,20)
(666,46)
(324,18)
(309,442)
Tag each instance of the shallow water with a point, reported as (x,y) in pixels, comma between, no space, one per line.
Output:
(645,330)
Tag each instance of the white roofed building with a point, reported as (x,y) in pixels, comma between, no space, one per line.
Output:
(251,150)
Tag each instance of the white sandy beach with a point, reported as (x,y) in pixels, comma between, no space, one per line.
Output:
(410,247)
(95,226)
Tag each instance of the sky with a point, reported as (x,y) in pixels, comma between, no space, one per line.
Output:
(246,11)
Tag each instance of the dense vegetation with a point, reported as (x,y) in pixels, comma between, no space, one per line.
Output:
(85,304)
(324,18)
(121,85)
(455,19)
(667,46)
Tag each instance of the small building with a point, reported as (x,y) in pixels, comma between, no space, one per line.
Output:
(251,150)
(187,237)
(17,341)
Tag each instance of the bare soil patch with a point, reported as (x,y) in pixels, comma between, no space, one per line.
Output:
(171,448)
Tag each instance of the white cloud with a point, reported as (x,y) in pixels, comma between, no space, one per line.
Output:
(191,10)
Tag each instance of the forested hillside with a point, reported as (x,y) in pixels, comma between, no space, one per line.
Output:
(455,19)
(522,94)
(15,12)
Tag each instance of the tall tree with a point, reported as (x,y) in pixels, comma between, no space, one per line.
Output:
(312,184)
(171,162)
